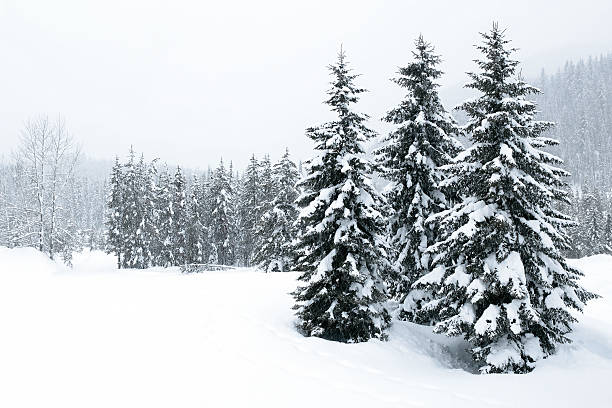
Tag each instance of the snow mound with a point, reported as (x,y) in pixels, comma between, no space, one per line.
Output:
(95,336)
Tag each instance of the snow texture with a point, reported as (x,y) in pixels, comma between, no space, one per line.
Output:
(95,336)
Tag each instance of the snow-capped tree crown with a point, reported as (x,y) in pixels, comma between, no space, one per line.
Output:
(275,229)
(410,157)
(498,274)
(349,130)
(338,245)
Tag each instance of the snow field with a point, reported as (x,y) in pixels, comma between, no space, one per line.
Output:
(95,336)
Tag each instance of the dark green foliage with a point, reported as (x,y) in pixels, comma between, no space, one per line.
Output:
(338,246)
(275,228)
(498,274)
(410,156)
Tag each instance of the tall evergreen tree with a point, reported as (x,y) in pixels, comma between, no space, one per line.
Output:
(575,230)
(196,229)
(130,216)
(222,217)
(234,182)
(267,186)
(498,274)
(423,140)
(144,211)
(591,240)
(114,213)
(338,245)
(179,207)
(275,228)
(248,206)
(607,234)
(207,216)
(164,204)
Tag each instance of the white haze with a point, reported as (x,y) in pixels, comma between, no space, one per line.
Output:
(191,81)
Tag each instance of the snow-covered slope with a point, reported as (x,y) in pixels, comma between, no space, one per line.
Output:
(98,337)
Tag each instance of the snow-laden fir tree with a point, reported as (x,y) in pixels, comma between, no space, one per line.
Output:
(410,156)
(197,231)
(497,271)
(164,207)
(275,228)
(248,205)
(341,293)
(222,217)
(209,254)
(234,182)
(591,238)
(179,207)
(607,233)
(143,215)
(114,213)
(130,218)
(267,186)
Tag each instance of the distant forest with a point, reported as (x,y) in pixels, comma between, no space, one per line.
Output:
(71,206)
(578,98)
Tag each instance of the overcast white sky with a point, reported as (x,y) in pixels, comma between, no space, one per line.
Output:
(191,81)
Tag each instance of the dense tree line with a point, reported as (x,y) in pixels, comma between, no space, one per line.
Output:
(592,232)
(473,241)
(156,217)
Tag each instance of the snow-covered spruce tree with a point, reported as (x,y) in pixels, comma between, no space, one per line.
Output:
(591,218)
(129,217)
(164,207)
(114,213)
(179,207)
(248,204)
(196,228)
(143,211)
(234,182)
(222,217)
(275,229)
(607,234)
(410,156)
(267,186)
(207,206)
(498,274)
(341,293)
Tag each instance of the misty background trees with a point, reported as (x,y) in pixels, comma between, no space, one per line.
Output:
(156,216)
(55,199)
(45,200)
(578,98)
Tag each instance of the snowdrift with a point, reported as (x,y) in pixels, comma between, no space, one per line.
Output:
(95,336)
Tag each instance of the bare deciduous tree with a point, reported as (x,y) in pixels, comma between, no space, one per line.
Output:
(44,167)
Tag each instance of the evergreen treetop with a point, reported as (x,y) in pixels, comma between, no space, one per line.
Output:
(410,156)
(498,274)
(275,228)
(339,248)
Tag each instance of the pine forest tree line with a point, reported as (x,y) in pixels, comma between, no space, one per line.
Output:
(592,232)
(155,217)
(578,98)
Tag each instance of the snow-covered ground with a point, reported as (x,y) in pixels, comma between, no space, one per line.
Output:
(94,336)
